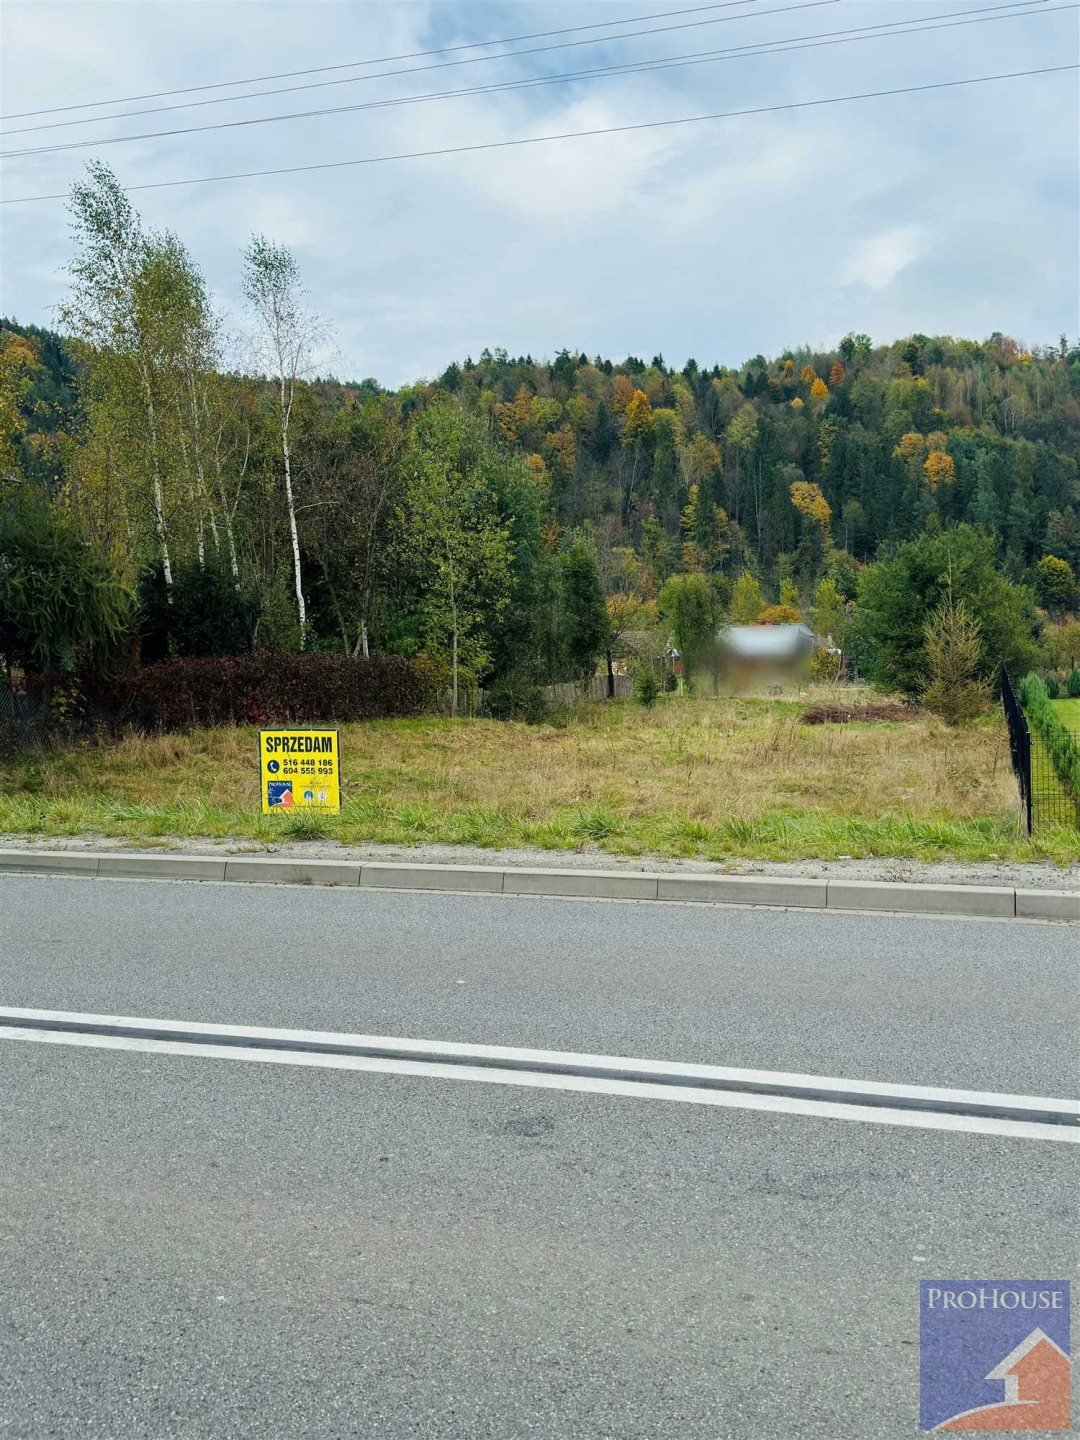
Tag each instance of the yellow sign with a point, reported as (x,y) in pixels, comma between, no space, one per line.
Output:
(299,770)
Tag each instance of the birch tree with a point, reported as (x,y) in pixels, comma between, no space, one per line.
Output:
(287,334)
(147,342)
(116,353)
(177,355)
(354,487)
(455,541)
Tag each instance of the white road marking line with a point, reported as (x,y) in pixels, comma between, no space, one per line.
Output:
(781,1093)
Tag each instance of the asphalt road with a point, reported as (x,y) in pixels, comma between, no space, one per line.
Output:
(204,1248)
(980,1004)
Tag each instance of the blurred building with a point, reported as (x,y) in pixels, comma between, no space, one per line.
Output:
(753,656)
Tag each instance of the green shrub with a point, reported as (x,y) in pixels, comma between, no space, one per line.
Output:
(824,665)
(954,689)
(646,686)
(516,698)
(62,606)
(1072,685)
(1053,689)
(203,614)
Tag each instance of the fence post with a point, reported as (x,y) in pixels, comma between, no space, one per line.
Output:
(1026,766)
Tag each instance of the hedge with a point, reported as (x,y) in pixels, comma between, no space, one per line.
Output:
(267,689)
(1060,745)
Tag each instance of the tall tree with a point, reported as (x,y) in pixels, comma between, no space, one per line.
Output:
(686,604)
(747,601)
(19,355)
(112,310)
(147,347)
(583,612)
(898,596)
(355,484)
(1055,584)
(452,535)
(287,334)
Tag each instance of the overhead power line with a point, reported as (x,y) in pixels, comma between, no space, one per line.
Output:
(568,134)
(377,60)
(1017,6)
(456,64)
(708,57)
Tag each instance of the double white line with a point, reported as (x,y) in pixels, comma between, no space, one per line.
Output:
(777,1092)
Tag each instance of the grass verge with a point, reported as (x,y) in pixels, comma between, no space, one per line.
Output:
(713,779)
(1069,714)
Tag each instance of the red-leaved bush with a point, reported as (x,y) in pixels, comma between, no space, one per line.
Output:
(267,689)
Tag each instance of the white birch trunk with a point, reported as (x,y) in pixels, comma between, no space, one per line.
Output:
(230,535)
(195,499)
(226,513)
(301,608)
(158,489)
(205,507)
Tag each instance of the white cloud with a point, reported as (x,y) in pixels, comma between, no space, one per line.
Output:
(570,181)
(878,260)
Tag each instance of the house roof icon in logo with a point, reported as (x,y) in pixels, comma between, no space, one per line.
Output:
(1036,1377)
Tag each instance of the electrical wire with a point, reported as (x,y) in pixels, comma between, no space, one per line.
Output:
(419,69)
(737,52)
(378,60)
(568,134)
(422,69)
(449,64)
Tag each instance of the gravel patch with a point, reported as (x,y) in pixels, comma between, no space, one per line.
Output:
(1035,875)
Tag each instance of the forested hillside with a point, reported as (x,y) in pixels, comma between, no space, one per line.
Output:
(519,516)
(982,432)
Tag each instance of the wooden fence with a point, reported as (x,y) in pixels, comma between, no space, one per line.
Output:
(570,692)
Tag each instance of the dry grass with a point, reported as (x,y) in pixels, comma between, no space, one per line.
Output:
(713,778)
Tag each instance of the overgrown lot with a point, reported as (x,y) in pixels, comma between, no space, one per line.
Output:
(707,778)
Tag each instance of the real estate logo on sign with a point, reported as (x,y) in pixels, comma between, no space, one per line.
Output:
(299,770)
(994,1355)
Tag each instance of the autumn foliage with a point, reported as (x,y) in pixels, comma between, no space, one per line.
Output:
(909,445)
(809,501)
(639,417)
(939,469)
(778,615)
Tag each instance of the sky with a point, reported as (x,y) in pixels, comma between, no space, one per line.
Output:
(947,211)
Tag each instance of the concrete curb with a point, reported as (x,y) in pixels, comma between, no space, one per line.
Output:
(776,891)
(922,899)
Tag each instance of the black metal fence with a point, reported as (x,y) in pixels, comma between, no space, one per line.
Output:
(1044,797)
(25,719)
(1053,802)
(1019,745)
